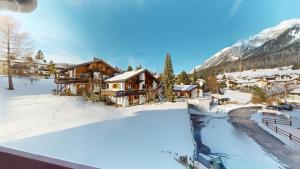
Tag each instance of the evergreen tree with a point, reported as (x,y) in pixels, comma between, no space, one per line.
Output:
(194,78)
(39,55)
(51,68)
(139,67)
(183,78)
(168,78)
(129,68)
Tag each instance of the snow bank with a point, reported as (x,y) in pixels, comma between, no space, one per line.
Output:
(131,143)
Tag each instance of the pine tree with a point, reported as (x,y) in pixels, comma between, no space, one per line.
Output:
(129,68)
(183,78)
(168,78)
(194,78)
(39,55)
(51,68)
(139,67)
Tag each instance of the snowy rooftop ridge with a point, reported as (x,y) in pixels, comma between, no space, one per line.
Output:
(184,87)
(258,73)
(125,76)
(295,91)
(241,81)
(41,62)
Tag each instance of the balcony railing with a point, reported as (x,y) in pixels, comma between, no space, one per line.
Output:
(10,158)
(107,92)
(68,80)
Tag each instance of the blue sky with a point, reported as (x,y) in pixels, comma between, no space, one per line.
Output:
(142,31)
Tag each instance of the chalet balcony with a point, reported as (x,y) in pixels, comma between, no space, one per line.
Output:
(70,80)
(107,92)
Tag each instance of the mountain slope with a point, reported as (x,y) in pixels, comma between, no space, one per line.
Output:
(279,41)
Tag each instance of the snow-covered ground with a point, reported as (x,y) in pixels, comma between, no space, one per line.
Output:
(295,115)
(257,117)
(236,96)
(131,143)
(38,114)
(95,134)
(241,151)
(26,86)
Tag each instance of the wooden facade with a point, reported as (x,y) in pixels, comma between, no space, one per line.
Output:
(131,87)
(84,77)
(186,91)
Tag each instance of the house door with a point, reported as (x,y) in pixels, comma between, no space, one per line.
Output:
(130,99)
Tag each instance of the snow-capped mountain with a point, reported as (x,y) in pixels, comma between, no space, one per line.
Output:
(281,40)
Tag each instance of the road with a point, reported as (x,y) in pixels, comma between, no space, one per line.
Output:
(241,120)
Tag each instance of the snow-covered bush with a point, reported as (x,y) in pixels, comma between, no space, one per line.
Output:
(258,95)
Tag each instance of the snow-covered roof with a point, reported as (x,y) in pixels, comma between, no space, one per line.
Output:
(218,96)
(200,80)
(126,75)
(241,81)
(39,62)
(88,63)
(295,91)
(250,74)
(184,87)
(12,60)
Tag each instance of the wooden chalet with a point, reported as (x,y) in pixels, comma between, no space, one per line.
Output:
(130,87)
(88,77)
(186,91)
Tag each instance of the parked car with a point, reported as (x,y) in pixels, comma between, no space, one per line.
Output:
(281,107)
(286,106)
(278,108)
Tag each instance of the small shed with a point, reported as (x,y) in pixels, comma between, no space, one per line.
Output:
(187,91)
(220,99)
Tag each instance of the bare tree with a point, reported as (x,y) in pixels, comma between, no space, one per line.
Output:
(14,44)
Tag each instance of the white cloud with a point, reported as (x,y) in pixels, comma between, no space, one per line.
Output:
(106,3)
(235,7)
(65,56)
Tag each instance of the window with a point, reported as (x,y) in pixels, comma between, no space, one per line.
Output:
(116,86)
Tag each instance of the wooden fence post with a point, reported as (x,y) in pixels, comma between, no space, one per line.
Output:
(290,136)
(267,124)
(275,121)
(276,129)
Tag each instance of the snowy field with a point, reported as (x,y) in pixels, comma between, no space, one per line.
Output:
(72,129)
(239,97)
(26,86)
(131,143)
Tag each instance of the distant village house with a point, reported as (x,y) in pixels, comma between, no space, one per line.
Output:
(186,91)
